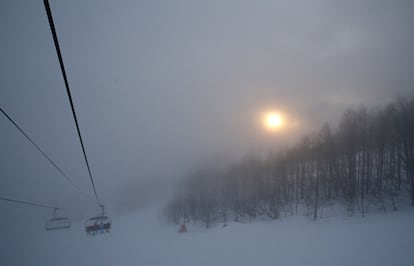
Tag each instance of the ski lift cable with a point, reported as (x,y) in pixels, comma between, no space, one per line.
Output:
(43,153)
(30,203)
(62,68)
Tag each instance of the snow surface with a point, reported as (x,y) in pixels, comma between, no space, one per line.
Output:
(143,239)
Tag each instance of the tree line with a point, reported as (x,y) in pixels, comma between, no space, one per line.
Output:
(366,162)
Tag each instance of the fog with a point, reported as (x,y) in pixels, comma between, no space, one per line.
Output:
(163,87)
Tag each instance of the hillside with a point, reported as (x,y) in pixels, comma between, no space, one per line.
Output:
(142,239)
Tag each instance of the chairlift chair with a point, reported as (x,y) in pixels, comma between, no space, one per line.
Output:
(57,223)
(98,224)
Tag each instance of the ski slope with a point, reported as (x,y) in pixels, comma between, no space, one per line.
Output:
(143,239)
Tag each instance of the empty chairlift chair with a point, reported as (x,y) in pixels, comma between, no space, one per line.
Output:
(57,223)
(98,224)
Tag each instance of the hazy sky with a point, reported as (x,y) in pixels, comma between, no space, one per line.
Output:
(162,86)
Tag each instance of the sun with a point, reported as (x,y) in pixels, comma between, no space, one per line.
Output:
(273,120)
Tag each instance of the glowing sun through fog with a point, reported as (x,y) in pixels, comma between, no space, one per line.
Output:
(273,121)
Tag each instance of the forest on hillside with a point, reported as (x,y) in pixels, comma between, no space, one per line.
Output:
(366,163)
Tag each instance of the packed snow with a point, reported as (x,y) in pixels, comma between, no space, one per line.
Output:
(143,238)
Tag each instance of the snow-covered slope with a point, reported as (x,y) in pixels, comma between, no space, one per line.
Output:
(141,239)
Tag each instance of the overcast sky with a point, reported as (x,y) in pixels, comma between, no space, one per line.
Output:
(160,87)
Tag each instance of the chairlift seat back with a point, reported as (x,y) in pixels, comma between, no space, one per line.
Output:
(57,223)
